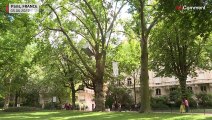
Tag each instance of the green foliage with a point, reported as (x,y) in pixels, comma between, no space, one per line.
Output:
(176,97)
(118,95)
(1,103)
(50,106)
(204,100)
(21,109)
(128,55)
(31,99)
(159,102)
(177,44)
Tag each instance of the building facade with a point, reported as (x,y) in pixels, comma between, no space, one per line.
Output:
(160,86)
(85,99)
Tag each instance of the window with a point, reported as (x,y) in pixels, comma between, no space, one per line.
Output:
(189,89)
(203,88)
(158,92)
(172,89)
(129,81)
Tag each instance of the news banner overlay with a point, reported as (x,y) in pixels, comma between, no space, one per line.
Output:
(22,8)
(190,7)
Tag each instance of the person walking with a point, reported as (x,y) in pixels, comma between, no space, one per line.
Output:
(186,105)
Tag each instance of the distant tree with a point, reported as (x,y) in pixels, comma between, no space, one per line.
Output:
(126,54)
(177,49)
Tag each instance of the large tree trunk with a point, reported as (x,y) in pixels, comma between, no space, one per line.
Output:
(182,81)
(99,96)
(144,78)
(73,92)
(98,82)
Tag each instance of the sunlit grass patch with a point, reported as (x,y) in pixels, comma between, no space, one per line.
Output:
(77,115)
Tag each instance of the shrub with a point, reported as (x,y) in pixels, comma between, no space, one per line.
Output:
(21,109)
(192,103)
(159,102)
(176,96)
(204,100)
(50,106)
(119,95)
(1,104)
(77,107)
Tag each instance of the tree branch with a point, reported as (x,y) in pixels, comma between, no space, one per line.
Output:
(81,70)
(154,22)
(71,44)
(89,31)
(58,19)
(95,17)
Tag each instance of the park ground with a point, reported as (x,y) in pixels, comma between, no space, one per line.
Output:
(77,115)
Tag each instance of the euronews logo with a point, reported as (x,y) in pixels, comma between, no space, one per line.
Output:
(190,7)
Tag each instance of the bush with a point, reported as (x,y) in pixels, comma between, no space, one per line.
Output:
(77,107)
(204,100)
(50,106)
(192,103)
(159,102)
(21,109)
(1,104)
(119,95)
(176,96)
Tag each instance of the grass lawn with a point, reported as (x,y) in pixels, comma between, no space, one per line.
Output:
(76,115)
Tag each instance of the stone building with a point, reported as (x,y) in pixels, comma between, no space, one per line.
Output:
(160,86)
(85,99)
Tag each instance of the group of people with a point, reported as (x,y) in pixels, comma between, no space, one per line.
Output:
(184,107)
(68,106)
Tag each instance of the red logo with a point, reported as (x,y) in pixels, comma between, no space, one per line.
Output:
(179,7)
(7,9)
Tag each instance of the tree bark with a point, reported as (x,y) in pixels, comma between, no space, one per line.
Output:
(99,96)
(99,82)
(16,99)
(134,88)
(182,81)
(73,92)
(144,78)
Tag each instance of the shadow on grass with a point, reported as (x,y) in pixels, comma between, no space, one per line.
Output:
(76,115)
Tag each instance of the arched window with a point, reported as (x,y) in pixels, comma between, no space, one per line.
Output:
(158,91)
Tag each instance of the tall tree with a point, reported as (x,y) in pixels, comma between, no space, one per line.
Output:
(13,42)
(180,41)
(128,58)
(145,16)
(149,13)
(94,21)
